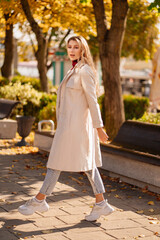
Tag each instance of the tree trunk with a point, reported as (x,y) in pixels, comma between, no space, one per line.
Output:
(6,69)
(110,42)
(42,65)
(42,45)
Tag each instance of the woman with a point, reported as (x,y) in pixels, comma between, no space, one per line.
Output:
(79,127)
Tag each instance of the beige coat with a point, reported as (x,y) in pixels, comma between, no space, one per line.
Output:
(76,145)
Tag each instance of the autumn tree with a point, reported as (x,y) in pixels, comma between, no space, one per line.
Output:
(6,68)
(155,5)
(10,14)
(110,44)
(141,31)
(44,15)
(110,33)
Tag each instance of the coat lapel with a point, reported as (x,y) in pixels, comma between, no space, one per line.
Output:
(67,76)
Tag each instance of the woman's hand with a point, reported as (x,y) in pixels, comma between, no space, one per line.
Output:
(102,135)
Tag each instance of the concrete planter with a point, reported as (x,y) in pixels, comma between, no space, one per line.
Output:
(24,127)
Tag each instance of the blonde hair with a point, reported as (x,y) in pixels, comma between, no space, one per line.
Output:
(86,56)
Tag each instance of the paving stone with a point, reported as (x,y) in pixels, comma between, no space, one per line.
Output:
(146,222)
(47,222)
(6,235)
(154,228)
(75,202)
(78,209)
(68,205)
(60,204)
(153,237)
(117,224)
(129,232)
(118,215)
(55,236)
(26,226)
(26,230)
(149,238)
(72,218)
(82,226)
(93,235)
(11,215)
(54,212)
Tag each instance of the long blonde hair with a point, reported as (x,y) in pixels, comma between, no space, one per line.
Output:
(86,56)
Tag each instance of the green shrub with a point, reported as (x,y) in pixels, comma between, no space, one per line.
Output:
(49,112)
(32,101)
(150,118)
(26,94)
(134,106)
(4,81)
(46,99)
(35,82)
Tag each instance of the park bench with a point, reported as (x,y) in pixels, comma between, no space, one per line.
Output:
(134,154)
(8,127)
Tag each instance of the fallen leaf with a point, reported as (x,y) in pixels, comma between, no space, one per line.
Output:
(141,235)
(2,200)
(76,180)
(84,190)
(13,192)
(113,190)
(140,211)
(8,227)
(117,196)
(44,174)
(156,233)
(22,177)
(151,210)
(139,197)
(80,178)
(151,203)
(153,222)
(47,231)
(152,218)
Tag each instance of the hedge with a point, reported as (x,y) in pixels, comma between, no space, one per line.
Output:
(32,101)
(134,106)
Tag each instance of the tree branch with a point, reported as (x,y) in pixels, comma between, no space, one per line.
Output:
(61,42)
(33,47)
(101,20)
(34,25)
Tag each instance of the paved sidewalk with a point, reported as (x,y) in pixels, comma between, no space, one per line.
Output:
(137,214)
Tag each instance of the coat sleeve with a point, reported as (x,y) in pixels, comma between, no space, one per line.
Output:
(89,87)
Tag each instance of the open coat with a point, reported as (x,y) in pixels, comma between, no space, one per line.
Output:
(76,144)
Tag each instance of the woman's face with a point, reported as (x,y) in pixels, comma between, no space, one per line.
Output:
(73,50)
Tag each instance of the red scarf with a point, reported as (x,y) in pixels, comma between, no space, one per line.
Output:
(74,62)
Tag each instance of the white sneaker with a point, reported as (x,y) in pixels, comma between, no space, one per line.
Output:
(98,210)
(32,206)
